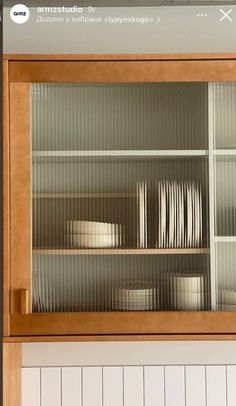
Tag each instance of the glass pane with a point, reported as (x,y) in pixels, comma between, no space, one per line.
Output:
(225,115)
(120,185)
(224,153)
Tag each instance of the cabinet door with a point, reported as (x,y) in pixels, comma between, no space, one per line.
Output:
(112,197)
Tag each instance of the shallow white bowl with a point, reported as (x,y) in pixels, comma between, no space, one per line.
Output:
(93,240)
(227,307)
(227,297)
(91,227)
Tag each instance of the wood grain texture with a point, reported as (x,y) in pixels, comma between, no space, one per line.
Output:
(123,71)
(12,375)
(6,203)
(119,323)
(117,57)
(24,301)
(20,180)
(125,338)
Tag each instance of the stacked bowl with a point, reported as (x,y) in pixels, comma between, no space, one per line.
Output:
(137,295)
(227,299)
(93,234)
(186,291)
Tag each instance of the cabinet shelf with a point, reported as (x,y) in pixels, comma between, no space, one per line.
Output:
(119,251)
(85,195)
(120,153)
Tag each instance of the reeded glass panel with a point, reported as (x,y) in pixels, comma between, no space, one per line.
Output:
(120,191)
(224,161)
(225,115)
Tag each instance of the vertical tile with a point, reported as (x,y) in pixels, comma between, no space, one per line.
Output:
(30,386)
(195,386)
(50,386)
(154,386)
(174,386)
(231,385)
(112,386)
(216,385)
(92,386)
(133,386)
(71,387)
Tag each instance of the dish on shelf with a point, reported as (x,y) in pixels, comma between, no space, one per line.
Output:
(93,240)
(192,283)
(135,296)
(92,234)
(91,227)
(180,214)
(186,291)
(142,214)
(227,307)
(44,295)
(227,297)
(188,301)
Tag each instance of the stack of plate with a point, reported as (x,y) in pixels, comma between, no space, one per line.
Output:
(135,295)
(44,296)
(179,214)
(227,300)
(92,234)
(186,291)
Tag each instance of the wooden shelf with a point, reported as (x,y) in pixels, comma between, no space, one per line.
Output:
(86,195)
(119,251)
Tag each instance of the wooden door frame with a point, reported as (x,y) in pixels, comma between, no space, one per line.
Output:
(80,68)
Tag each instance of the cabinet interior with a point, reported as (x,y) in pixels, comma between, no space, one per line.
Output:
(105,153)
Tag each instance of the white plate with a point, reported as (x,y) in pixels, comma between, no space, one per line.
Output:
(181,214)
(162,218)
(142,214)
(171,214)
(189,215)
(145,215)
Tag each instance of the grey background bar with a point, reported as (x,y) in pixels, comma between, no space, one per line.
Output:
(119,3)
(168,30)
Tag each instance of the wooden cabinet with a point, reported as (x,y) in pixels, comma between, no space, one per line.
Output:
(120,209)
